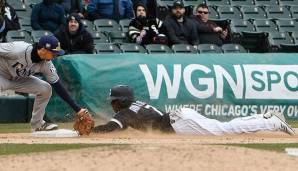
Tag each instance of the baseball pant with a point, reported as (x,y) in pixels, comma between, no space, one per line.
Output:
(188,121)
(31,85)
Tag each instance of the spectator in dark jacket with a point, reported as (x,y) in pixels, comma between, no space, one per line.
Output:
(47,15)
(179,28)
(111,9)
(144,30)
(216,35)
(72,6)
(9,18)
(74,38)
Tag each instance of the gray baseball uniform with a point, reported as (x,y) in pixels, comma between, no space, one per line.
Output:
(16,73)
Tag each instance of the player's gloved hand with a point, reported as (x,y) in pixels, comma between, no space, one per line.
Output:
(83,122)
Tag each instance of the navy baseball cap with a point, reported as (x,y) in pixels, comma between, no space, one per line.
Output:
(178,3)
(51,43)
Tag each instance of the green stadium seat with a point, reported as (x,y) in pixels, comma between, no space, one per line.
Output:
(213,14)
(288,48)
(265,25)
(106,25)
(241,2)
(253,12)
(103,48)
(88,25)
(229,12)
(99,37)
(118,37)
(158,48)
(124,23)
(209,48)
(295,36)
(37,34)
(256,42)
(132,48)
(277,12)
(239,26)
(217,2)
(18,35)
(31,3)
(294,11)
(183,48)
(266,2)
(288,2)
(25,24)
(233,48)
(287,25)
(24,14)
(277,38)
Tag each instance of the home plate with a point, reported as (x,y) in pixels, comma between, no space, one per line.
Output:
(56,133)
(292,151)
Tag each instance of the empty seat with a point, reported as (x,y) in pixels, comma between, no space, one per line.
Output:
(295,36)
(213,14)
(37,34)
(209,48)
(24,14)
(25,24)
(88,25)
(132,48)
(277,12)
(183,48)
(233,48)
(265,26)
(278,38)
(118,37)
(255,41)
(106,25)
(124,23)
(218,2)
(253,12)
(287,25)
(266,2)
(16,35)
(99,37)
(294,11)
(241,2)
(288,2)
(229,12)
(31,3)
(239,26)
(158,48)
(289,48)
(106,48)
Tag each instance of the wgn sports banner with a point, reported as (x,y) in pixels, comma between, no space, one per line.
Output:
(216,85)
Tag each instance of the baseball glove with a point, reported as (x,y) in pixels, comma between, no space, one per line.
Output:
(83,122)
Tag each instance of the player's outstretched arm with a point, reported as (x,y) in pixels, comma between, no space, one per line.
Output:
(109,127)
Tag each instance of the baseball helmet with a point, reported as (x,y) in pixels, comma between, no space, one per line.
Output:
(121,92)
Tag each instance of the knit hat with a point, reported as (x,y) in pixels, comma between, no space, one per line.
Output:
(137,5)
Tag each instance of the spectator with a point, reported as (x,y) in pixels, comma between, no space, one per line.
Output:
(215,35)
(72,6)
(150,5)
(179,28)
(111,9)
(74,38)
(47,15)
(9,19)
(144,30)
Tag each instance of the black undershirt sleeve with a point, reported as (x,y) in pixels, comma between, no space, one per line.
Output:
(109,127)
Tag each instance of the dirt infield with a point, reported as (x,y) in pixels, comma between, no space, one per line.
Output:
(152,151)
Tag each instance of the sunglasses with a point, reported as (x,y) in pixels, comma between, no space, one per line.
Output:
(202,12)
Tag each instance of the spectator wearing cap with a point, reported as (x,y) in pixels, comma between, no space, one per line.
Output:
(74,38)
(144,30)
(213,35)
(47,15)
(110,9)
(8,19)
(179,28)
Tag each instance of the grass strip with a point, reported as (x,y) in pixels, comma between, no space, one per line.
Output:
(270,147)
(6,149)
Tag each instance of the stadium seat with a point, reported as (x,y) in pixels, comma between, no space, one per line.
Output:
(15,2)
(266,2)
(37,34)
(288,2)
(233,48)
(209,48)
(88,25)
(99,37)
(229,12)
(288,48)
(277,38)
(277,12)
(265,26)
(253,12)
(158,48)
(217,2)
(25,24)
(294,12)
(106,48)
(239,26)
(31,3)
(213,14)
(17,35)
(287,25)
(241,2)
(295,36)
(256,42)
(118,37)
(124,23)
(106,25)
(132,48)
(183,48)
(24,14)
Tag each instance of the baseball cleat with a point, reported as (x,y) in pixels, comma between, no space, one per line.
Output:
(47,127)
(284,126)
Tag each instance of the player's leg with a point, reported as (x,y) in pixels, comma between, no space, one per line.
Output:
(43,92)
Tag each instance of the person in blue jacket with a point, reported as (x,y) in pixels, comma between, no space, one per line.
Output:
(110,9)
(47,15)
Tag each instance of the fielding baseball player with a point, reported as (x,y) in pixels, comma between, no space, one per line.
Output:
(141,116)
(19,61)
